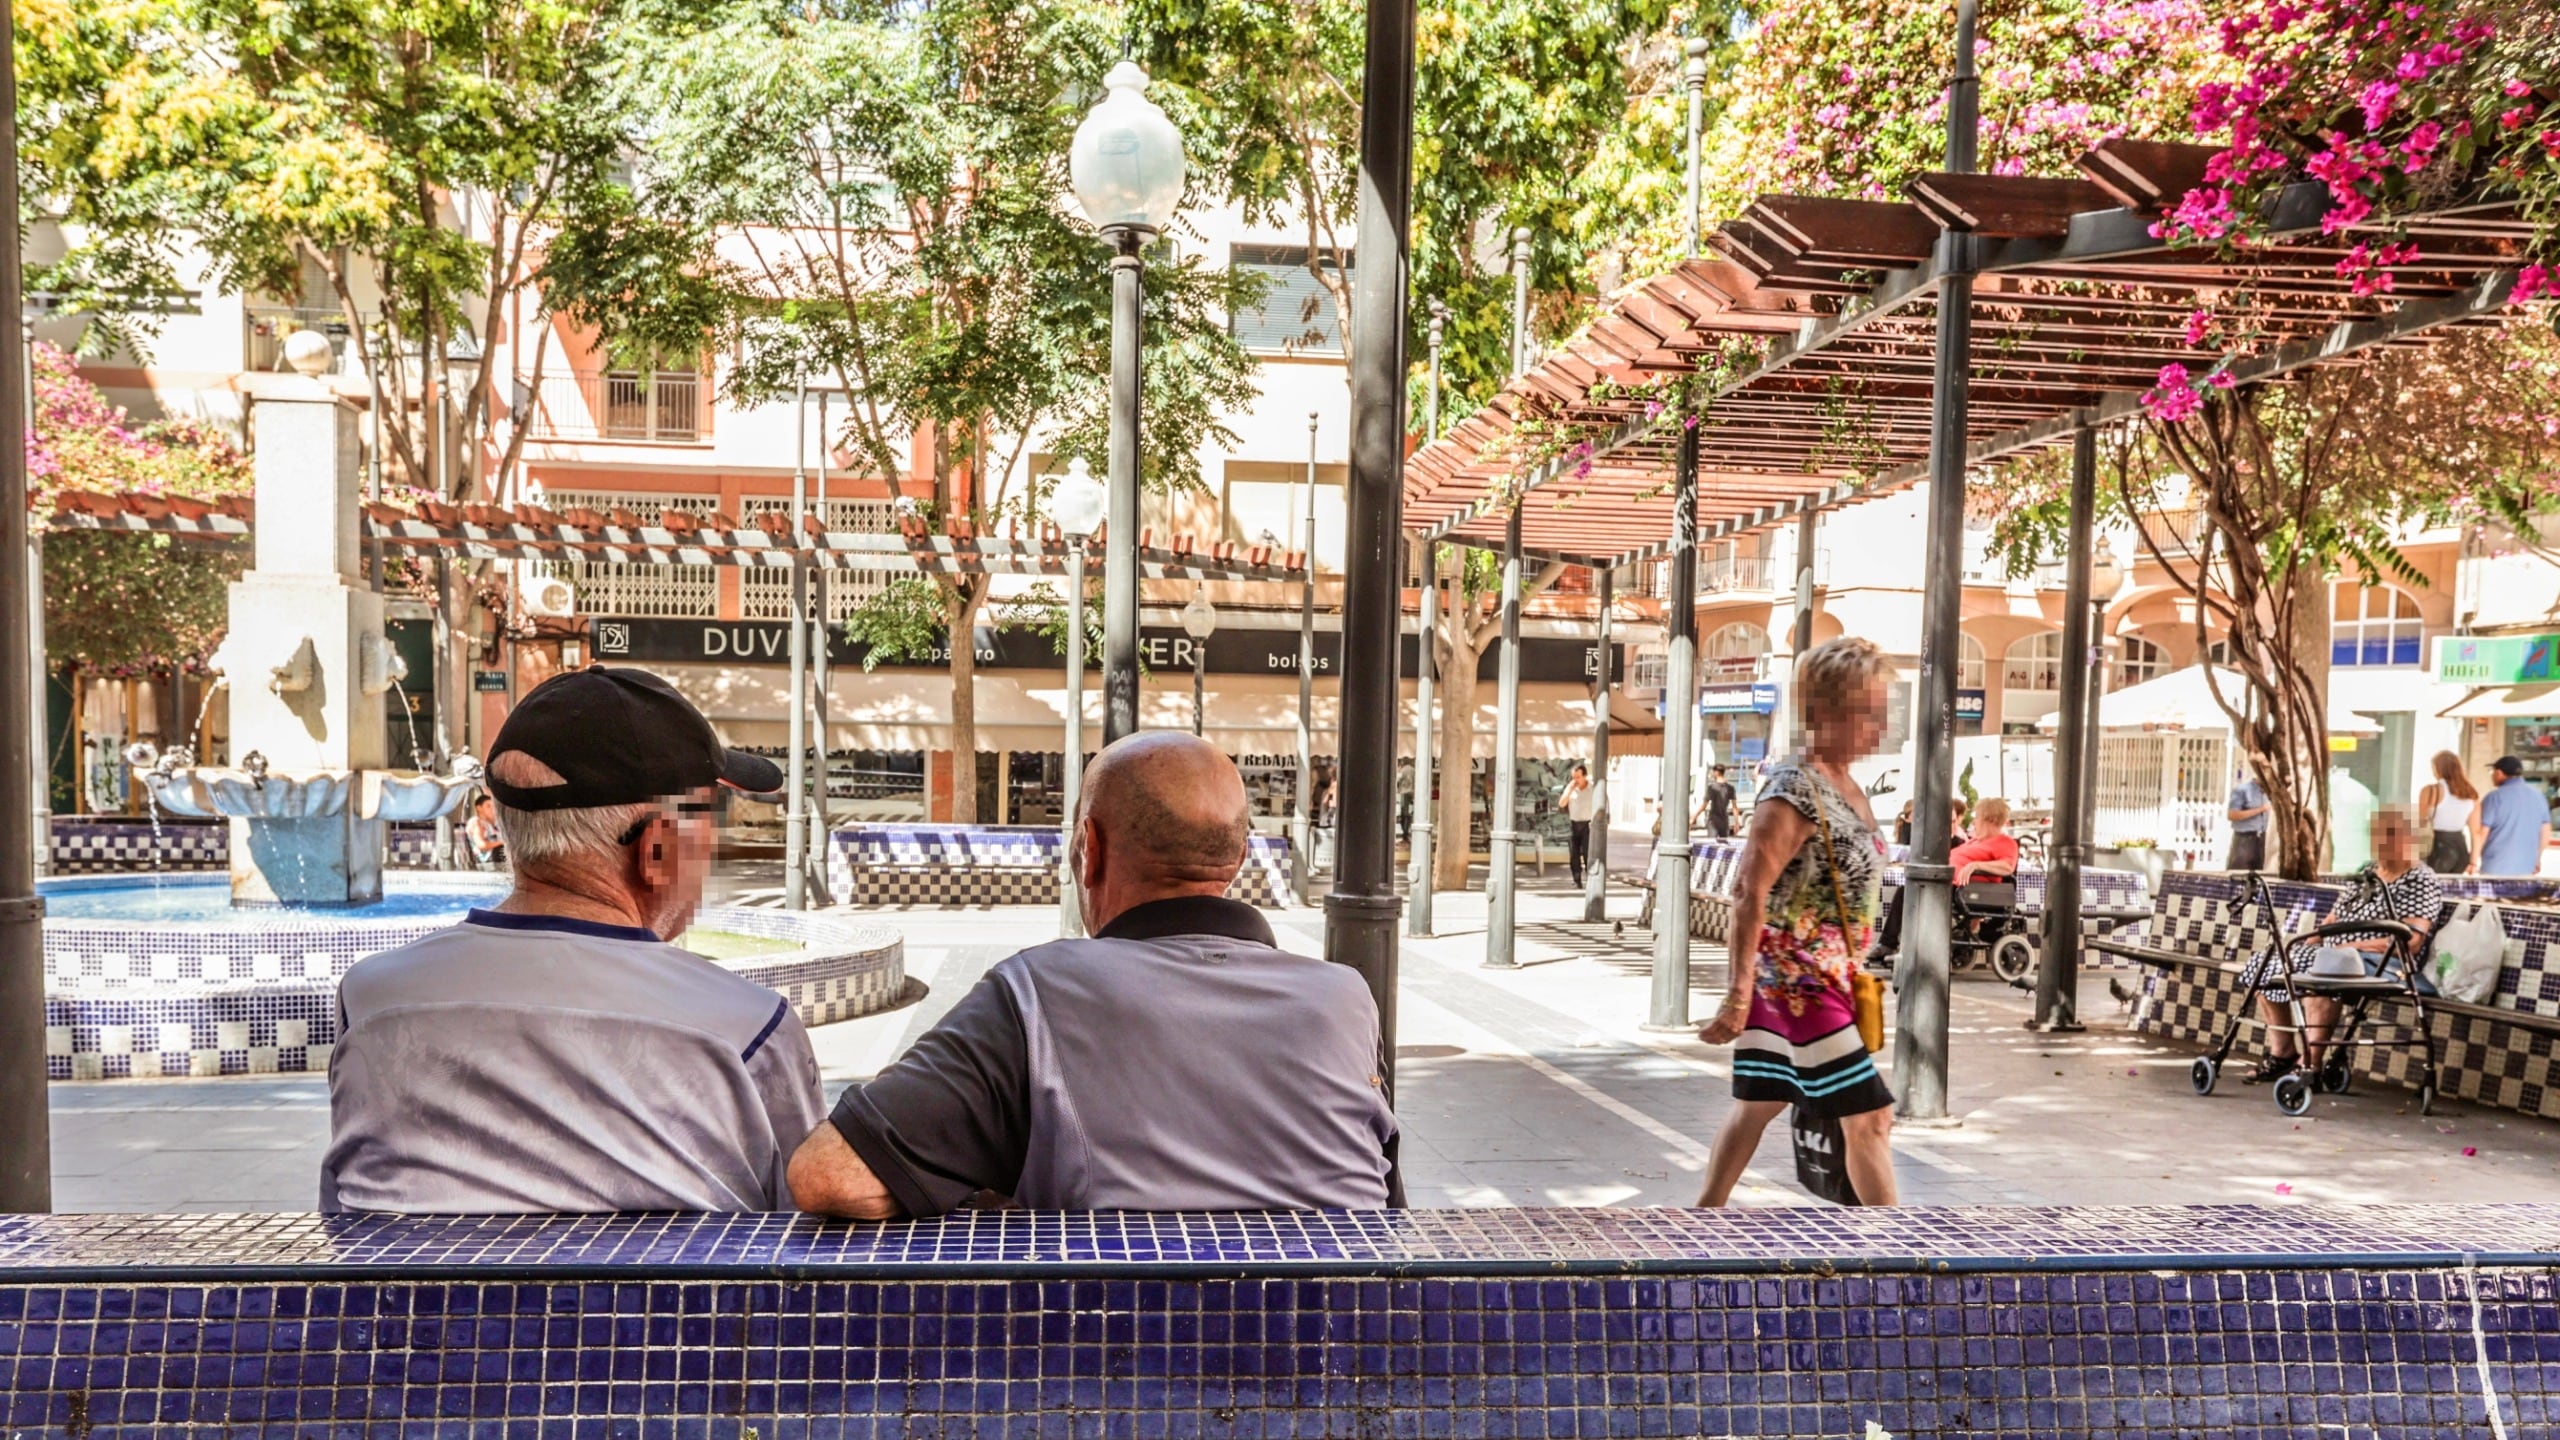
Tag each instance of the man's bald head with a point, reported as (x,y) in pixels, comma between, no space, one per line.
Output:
(1170,811)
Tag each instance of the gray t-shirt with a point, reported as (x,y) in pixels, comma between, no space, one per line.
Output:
(530,1063)
(1176,1061)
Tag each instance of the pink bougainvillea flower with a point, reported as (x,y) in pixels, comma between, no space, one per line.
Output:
(2199,322)
(2517,89)
(2514,119)
(2535,280)
(2220,380)
(2378,99)
(2174,398)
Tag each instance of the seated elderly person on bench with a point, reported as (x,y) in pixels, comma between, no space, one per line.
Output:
(1177,1060)
(2396,886)
(555,1052)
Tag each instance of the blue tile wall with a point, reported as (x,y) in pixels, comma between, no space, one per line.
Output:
(1503,1325)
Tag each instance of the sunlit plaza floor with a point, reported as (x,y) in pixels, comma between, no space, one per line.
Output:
(1538,1087)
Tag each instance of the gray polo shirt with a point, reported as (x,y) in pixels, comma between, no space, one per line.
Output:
(529,1063)
(1177,1061)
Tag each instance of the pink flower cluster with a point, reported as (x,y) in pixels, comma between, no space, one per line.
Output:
(2175,398)
(2367,268)
(2537,282)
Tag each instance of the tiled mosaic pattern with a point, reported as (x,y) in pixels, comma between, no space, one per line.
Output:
(1474,1324)
(973,867)
(126,1001)
(107,844)
(2203,918)
(1713,865)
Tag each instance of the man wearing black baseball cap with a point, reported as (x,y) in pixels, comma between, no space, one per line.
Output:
(556,1053)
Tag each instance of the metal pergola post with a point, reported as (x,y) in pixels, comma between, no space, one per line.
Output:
(1502,875)
(1301,816)
(26,1139)
(795,817)
(1595,887)
(1920,1047)
(1425,667)
(1120,525)
(1669,1008)
(2058,971)
(1520,300)
(1070,908)
(1360,910)
(816,857)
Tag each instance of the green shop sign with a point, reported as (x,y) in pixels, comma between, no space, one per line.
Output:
(2498,659)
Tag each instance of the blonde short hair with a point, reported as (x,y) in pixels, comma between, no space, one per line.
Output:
(1837,672)
(1993,809)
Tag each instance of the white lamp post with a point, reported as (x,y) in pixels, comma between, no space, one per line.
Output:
(1128,171)
(1199,621)
(1075,507)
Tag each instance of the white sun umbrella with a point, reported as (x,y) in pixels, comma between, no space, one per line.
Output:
(2183,700)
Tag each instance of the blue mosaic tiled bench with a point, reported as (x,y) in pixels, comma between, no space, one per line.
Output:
(104,844)
(2496,1062)
(976,866)
(2095,1324)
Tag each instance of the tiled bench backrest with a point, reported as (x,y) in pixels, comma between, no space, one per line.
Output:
(974,866)
(95,844)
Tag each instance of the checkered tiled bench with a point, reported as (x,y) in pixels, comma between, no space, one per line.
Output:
(110,844)
(1713,865)
(2485,1055)
(958,867)
(168,999)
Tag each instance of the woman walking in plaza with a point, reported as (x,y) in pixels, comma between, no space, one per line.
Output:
(1804,909)
(2451,804)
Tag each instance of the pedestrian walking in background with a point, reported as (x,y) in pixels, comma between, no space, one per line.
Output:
(2248,810)
(1803,912)
(1580,800)
(2514,820)
(1720,805)
(2451,805)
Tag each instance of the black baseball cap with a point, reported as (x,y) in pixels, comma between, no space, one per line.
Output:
(618,736)
(2507,765)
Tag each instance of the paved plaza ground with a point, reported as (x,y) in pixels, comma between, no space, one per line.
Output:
(1539,1087)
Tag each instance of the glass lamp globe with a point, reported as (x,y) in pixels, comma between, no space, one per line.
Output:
(2104,573)
(1199,618)
(1076,505)
(1127,163)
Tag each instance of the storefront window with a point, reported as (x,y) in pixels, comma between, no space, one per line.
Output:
(2030,682)
(2536,742)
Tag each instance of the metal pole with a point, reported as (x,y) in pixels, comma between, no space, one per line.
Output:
(1360,910)
(1120,529)
(1199,685)
(1595,891)
(1431,393)
(1693,75)
(1426,666)
(2058,974)
(26,1141)
(1070,909)
(40,731)
(795,829)
(1520,300)
(816,856)
(1301,821)
(1502,876)
(1669,1009)
(1920,1049)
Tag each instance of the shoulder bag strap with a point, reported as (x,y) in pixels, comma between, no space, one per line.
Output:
(1831,864)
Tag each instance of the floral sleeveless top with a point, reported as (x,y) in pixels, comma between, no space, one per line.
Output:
(1802,949)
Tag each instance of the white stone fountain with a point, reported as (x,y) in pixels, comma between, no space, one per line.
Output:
(304,665)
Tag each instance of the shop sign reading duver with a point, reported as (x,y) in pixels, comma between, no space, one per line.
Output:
(1230,651)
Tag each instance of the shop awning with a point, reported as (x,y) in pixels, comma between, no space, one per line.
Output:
(2491,702)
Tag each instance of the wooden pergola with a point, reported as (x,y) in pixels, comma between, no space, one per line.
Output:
(1817,327)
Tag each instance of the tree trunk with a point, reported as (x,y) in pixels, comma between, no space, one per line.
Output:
(2301,800)
(1455,749)
(960,621)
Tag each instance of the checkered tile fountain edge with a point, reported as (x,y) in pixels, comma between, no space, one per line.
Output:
(108,844)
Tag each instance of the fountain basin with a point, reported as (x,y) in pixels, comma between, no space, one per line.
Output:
(241,794)
(160,975)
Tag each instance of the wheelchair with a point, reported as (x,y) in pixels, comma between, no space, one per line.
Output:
(1991,930)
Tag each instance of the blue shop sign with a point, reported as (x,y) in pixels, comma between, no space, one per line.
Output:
(1727,700)
(1764,697)
(1969,705)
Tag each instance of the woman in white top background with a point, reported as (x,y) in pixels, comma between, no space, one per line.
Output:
(2451,804)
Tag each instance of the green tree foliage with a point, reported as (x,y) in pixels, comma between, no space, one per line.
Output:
(123,603)
(407,151)
(874,198)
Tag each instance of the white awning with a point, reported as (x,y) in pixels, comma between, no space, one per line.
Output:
(2490,702)
(2183,700)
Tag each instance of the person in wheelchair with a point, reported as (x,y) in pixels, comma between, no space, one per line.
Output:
(1989,854)
(2397,885)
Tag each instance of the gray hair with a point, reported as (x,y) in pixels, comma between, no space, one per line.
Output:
(548,837)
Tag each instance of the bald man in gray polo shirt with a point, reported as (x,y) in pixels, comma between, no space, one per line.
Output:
(1177,1060)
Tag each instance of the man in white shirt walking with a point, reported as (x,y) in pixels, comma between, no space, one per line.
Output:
(1581,801)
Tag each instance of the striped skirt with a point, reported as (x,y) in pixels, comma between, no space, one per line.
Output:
(1802,1048)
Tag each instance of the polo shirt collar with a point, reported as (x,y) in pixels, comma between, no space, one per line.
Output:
(1190,915)
(558,924)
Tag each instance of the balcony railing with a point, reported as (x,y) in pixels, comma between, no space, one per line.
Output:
(667,406)
(2175,533)
(263,329)
(1737,572)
